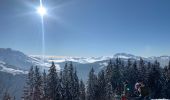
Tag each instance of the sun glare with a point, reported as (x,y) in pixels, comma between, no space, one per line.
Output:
(41,10)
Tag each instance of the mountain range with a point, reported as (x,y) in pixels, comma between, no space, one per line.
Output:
(16,62)
(14,66)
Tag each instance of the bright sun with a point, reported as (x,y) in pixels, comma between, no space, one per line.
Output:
(41,10)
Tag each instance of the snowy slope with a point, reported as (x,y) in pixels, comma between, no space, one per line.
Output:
(10,69)
(16,58)
(16,62)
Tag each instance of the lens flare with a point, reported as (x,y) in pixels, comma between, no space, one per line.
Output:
(42,11)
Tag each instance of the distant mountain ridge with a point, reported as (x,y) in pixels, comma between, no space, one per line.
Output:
(16,62)
(124,56)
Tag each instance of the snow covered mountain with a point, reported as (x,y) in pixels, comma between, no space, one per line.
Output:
(126,56)
(82,60)
(87,60)
(16,62)
(14,65)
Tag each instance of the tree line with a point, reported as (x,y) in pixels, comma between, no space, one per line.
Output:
(105,85)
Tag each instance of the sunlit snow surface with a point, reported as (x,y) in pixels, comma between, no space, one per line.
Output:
(83,60)
(4,68)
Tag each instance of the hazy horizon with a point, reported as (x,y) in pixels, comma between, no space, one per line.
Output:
(112,55)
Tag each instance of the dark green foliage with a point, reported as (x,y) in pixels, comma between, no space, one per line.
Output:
(53,83)
(117,77)
(101,90)
(115,80)
(154,81)
(166,82)
(142,70)
(82,91)
(28,92)
(70,83)
(44,85)
(92,86)
(109,72)
(38,93)
(109,92)
(133,77)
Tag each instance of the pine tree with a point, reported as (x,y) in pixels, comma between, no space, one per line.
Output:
(149,66)
(109,72)
(53,84)
(75,86)
(166,85)
(129,64)
(133,77)
(117,83)
(31,82)
(65,83)
(109,92)
(127,71)
(72,83)
(71,80)
(60,86)
(142,70)
(154,81)
(92,86)
(44,85)
(38,92)
(26,95)
(101,86)
(29,88)
(82,91)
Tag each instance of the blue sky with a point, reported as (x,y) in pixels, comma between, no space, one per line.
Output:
(87,27)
